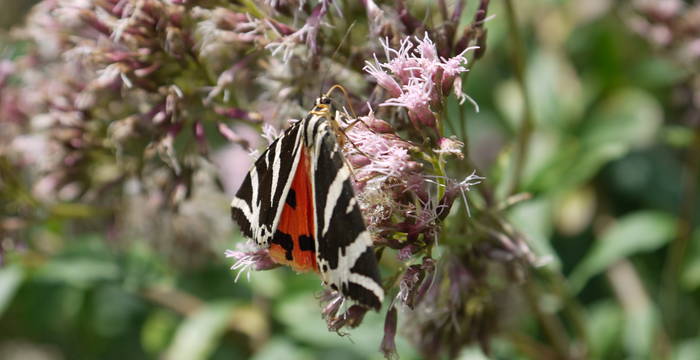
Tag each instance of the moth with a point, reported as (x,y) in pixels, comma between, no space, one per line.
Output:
(298,202)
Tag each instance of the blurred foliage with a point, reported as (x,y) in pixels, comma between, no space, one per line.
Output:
(607,174)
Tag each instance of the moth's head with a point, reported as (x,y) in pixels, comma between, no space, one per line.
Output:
(322,104)
(323,100)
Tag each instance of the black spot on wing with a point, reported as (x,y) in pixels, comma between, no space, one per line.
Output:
(285,241)
(306,243)
(292,199)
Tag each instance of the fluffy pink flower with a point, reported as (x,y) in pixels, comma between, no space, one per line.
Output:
(387,153)
(417,78)
(415,97)
(248,256)
(427,49)
(383,79)
(403,65)
(7,67)
(308,34)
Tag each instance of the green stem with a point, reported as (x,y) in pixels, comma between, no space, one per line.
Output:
(679,247)
(553,328)
(572,308)
(252,9)
(527,125)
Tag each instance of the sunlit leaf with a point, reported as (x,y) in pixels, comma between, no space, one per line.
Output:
(640,325)
(157,330)
(628,119)
(656,71)
(197,336)
(687,350)
(282,349)
(10,280)
(364,340)
(678,136)
(690,277)
(80,272)
(554,89)
(634,233)
(604,326)
(472,353)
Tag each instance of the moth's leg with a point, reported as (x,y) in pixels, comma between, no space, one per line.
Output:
(344,136)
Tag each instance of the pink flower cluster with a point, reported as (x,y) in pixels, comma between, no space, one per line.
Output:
(417,78)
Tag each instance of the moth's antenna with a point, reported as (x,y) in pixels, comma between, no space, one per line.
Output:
(324,78)
(342,41)
(345,94)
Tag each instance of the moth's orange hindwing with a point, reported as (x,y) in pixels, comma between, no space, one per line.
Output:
(293,242)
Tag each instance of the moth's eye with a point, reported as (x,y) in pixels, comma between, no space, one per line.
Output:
(325,100)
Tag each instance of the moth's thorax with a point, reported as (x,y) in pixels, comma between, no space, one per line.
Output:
(317,121)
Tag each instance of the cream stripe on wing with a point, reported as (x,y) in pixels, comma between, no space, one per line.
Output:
(242,205)
(334,192)
(367,283)
(275,168)
(355,249)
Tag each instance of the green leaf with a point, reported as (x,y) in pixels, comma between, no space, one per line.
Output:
(197,336)
(626,120)
(555,90)
(279,348)
(634,233)
(640,325)
(10,280)
(509,101)
(157,330)
(630,118)
(679,136)
(113,310)
(313,329)
(687,350)
(658,71)
(362,341)
(604,326)
(79,272)
(690,277)
(472,353)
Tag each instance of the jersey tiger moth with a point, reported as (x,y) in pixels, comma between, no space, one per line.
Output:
(298,202)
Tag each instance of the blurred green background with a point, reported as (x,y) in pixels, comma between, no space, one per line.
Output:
(612,175)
